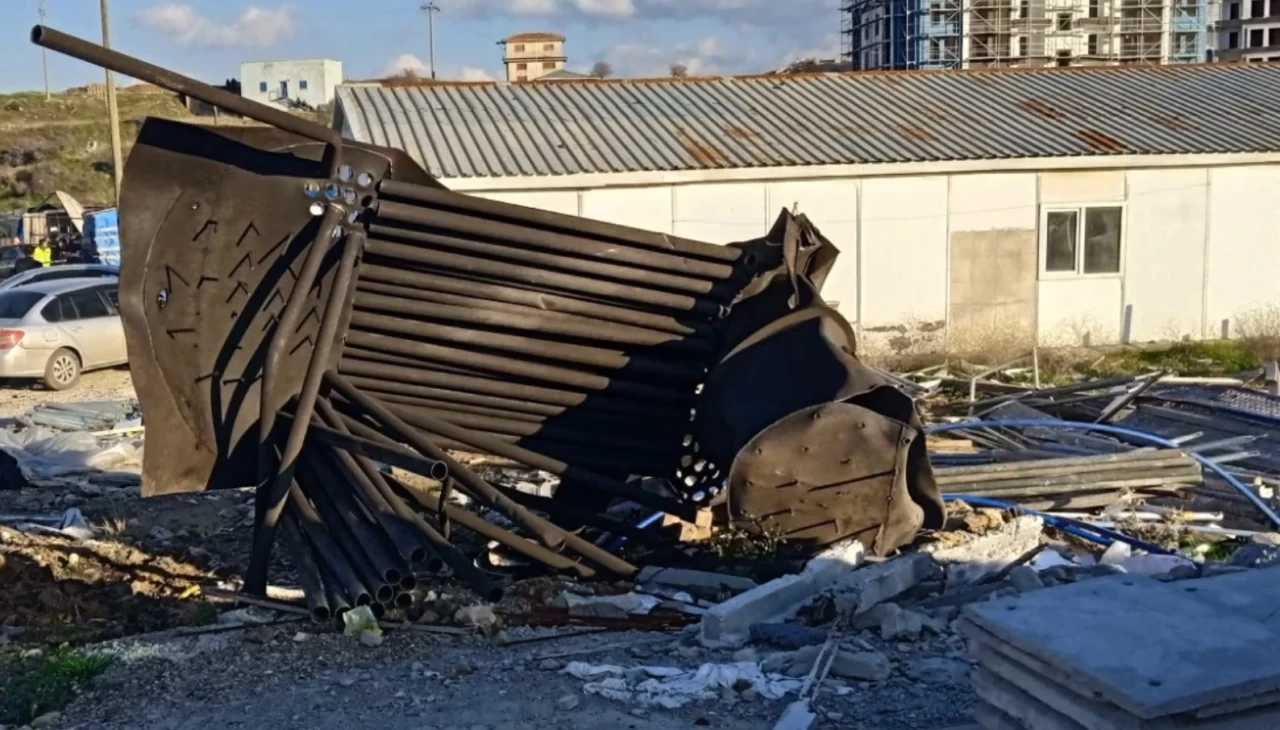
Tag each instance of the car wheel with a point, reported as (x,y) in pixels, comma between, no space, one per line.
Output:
(63,370)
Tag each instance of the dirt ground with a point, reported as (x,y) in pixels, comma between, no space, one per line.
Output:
(18,396)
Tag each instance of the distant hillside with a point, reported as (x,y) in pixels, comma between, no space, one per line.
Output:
(65,143)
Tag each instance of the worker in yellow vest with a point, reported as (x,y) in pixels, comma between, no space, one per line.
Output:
(42,252)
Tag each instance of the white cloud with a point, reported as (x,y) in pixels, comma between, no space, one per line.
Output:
(405,62)
(531,7)
(706,57)
(606,8)
(255,27)
(409,62)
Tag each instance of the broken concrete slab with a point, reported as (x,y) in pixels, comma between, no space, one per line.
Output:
(1100,632)
(729,622)
(860,590)
(699,583)
(991,552)
(870,666)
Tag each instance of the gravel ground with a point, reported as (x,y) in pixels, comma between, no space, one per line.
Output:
(288,677)
(18,396)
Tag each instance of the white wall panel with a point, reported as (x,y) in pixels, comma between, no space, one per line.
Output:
(1074,312)
(721,212)
(1164,253)
(904,251)
(643,207)
(1244,244)
(556,201)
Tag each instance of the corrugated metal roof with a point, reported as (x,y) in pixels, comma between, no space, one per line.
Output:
(497,130)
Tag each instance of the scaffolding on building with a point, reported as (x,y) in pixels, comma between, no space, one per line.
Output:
(924,34)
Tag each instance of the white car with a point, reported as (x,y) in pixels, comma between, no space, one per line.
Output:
(53,273)
(55,330)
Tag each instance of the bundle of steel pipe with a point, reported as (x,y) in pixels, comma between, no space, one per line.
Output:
(608,330)
(383,319)
(1083,479)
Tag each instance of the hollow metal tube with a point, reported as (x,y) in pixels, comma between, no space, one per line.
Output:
(593,327)
(549,534)
(596,357)
(274,475)
(377,544)
(333,559)
(450,555)
(403,458)
(556,221)
(371,575)
(602,438)
(562,252)
(489,531)
(528,321)
(604,461)
(313,587)
(544,301)
(540,277)
(402,535)
(415,377)
(179,84)
(514,366)
(494,446)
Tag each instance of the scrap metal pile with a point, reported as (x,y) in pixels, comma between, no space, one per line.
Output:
(302,310)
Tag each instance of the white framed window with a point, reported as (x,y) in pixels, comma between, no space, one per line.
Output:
(1081,240)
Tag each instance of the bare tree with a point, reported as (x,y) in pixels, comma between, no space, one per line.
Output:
(602,70)
(679,70)
(408,73)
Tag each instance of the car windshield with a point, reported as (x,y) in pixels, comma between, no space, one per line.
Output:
(16,304)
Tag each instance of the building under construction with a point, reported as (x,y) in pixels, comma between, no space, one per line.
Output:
(934,34)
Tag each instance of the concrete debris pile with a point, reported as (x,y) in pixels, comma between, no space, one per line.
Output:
(309,311)
(1099,655)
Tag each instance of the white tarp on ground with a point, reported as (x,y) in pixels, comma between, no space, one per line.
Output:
(673,687)
(44,454)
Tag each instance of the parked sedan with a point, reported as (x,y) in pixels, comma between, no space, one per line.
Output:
(68,271)
(55,330)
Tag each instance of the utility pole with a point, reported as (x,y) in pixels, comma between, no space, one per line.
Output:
(431,9)
(117,156)
(44,54)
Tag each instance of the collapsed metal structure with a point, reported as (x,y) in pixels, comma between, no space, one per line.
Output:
(302,310)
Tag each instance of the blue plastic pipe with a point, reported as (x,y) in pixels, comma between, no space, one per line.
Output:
(1142,436)
(1082,530)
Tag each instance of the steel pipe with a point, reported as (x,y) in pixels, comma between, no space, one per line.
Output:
(490,531)
(494,446)
(508,391)
(544,301)
(599,263)
(274,478)
(596,357)
(403,302)
(339,570)
(401,252)
(371,575)
(556,221)
(549,534)
(512,366)
(313,587)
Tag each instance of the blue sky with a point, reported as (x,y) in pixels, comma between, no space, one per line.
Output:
(209,38)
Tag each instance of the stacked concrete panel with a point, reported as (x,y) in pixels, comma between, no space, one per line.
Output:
(1131,653)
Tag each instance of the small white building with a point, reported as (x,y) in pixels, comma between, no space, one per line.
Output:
(530,56)
(972,209)
(286,83)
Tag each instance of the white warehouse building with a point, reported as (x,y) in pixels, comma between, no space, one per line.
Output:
(312,82)
(1050,206)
